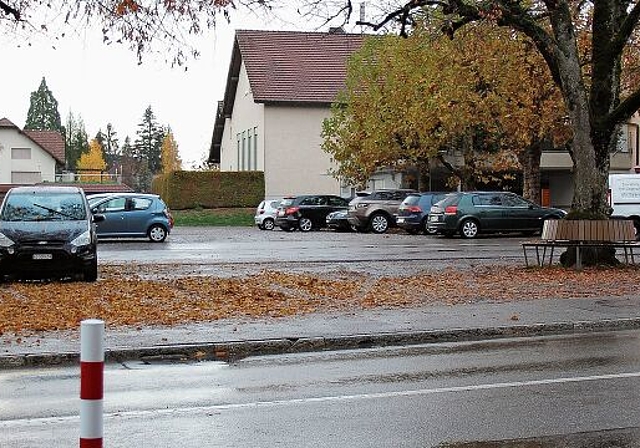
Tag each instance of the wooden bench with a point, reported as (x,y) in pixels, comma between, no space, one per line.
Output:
(580,234)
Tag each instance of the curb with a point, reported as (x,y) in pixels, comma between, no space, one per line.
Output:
(234,350)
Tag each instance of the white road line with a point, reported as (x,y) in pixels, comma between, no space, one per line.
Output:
(339,398)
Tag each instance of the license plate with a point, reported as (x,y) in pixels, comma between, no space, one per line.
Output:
(43,256)
(433,218)
(400,220)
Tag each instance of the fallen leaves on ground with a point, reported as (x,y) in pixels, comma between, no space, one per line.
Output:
(123,299)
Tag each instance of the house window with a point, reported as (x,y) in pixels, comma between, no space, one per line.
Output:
(26,177)
(244,150)
(238,151)
(249,151)
(255,148)
(21,153)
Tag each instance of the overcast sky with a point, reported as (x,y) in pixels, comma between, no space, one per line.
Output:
(104,84)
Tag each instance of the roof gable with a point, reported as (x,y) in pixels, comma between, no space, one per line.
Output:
(287,66)
(51,141)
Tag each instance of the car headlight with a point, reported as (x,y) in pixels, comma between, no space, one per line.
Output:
(5,241)
(362,205)
(82,240)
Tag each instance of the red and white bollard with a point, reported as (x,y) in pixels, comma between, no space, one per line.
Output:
(91,382)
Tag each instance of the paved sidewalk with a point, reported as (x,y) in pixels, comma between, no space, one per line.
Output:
(231,339)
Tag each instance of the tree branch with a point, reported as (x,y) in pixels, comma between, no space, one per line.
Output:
(626,29)
(9,10)
(625,110)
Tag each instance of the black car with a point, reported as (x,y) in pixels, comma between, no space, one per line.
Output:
(472,213)
(414,210)
(308,212)
(48,231)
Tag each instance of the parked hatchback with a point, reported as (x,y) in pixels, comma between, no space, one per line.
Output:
(308,212)
(265,216)
(414,210)
(472,213)
(132,215)
(47,231)
(376,212)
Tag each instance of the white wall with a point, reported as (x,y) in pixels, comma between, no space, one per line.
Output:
(294,160)
(41,161)
(246,116)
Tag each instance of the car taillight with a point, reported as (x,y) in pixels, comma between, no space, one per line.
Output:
(414,209)
(291,210)
(169,216)
(451,210)
(260,212)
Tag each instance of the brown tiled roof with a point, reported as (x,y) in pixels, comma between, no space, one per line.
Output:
(50,141)
(88,188)
(6,123)
(287,66)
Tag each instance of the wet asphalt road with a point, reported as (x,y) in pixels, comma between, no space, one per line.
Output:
(392,253)
(417,396)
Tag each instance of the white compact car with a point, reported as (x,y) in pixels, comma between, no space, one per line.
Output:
(266,214)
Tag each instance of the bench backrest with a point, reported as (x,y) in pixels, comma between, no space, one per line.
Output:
(614,230)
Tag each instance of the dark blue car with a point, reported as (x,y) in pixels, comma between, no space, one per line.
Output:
(413,212)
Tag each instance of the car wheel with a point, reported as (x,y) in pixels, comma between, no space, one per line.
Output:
(305,224)
(157,233)
(379,223)
(469,228)
(90,273)
(268,224)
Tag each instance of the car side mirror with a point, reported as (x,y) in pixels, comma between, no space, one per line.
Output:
(98,217)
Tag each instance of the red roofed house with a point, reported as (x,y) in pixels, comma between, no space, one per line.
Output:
(29,157)
(279,89)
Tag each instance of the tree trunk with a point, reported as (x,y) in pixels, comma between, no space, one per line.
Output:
(530,162)
(589,177)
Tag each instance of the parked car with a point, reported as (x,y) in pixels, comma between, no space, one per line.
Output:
(414,210)
(307,212)
(472,213)
(338,221)
(48,230)
(376,211)
(265,217)
(132,215)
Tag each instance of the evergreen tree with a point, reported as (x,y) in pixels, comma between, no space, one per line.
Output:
(170,159)
(110,146)
(43,112)
(148,144)
(76,140)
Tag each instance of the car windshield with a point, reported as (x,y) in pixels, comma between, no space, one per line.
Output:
(43,207)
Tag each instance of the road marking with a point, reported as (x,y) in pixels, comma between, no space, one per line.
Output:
(340,398)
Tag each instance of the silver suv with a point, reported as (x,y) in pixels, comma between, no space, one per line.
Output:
(376,212)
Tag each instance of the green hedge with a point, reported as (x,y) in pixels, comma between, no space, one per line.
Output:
(210,189)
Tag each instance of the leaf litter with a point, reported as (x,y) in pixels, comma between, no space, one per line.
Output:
(124,299)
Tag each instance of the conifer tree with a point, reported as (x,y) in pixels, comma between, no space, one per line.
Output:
(43,112)
(76,140)
(148,144)
(170,159)
(110,145)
